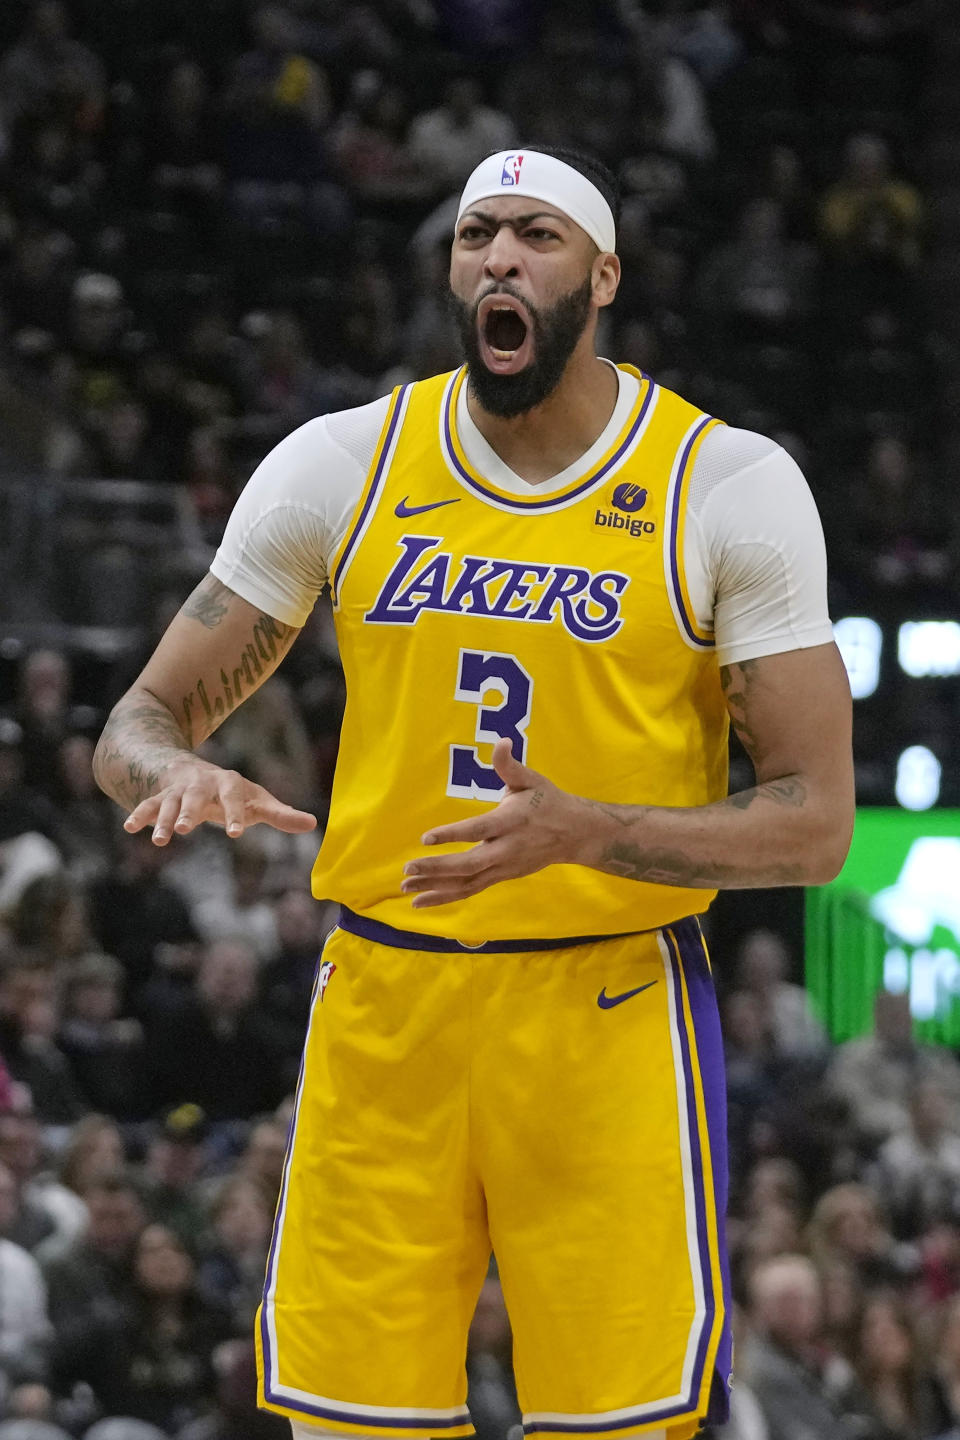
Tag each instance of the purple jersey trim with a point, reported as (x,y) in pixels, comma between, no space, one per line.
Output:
(373,492)
(675,535)
(516,502)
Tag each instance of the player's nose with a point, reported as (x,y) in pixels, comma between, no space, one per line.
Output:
(502,257)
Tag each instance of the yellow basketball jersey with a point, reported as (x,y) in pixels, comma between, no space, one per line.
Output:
(465,613)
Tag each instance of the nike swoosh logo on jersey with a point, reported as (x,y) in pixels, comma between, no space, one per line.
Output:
(607,1002)
(404,511)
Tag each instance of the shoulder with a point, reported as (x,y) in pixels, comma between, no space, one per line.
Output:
(746,488)
(728,454)
(343,437)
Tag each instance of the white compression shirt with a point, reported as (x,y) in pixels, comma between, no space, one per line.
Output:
(753,549)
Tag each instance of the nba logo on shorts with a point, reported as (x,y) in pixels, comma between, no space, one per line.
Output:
(323,978)
(510,174)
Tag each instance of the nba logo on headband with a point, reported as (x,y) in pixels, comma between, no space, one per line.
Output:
(511,170)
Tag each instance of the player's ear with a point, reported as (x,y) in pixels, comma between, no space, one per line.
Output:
(606,277)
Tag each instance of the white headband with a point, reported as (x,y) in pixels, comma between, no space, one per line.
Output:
(543,177)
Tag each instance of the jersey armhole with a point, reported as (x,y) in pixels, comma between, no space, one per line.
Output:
(373,485)
(674,534)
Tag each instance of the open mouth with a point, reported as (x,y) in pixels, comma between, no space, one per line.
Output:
(505,334)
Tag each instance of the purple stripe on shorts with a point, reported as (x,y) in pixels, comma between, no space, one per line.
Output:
(685,944)
(706,1027)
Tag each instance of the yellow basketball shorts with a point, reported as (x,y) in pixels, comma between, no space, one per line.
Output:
(564,1106)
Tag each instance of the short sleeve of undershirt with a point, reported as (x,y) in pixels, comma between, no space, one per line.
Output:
(754,554)
(294,511)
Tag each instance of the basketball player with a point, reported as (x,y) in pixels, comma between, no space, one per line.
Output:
(554,583)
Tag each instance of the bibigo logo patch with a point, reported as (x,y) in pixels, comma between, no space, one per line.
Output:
(626,501)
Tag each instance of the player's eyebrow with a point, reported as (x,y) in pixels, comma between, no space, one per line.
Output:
(516,222)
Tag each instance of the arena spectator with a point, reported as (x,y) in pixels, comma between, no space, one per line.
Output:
(287,387)
(89,1285)
(875,1073)
(139,918)
(87,819)
(103,1049)
(235,1412)
(804,1391)
(276,107)
(29,1021)
(751,1076)
(703,36)
(30,830)
(233,1261)
(244,908)
(180,145)
(50,918)
(762,965)
(214,1046)
(262,1159)
(446,143)
(43,711)
(47,1211)
(152,1361)
(869,212)
(50,73)
(371,144)
(898,531)
(287,981)
(96,1151)
(848,1228)
(918,1168)
(25,1330)
(759,278)
(176,1158)
(888,1365)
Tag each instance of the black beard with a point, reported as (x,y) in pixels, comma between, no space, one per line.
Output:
(555,335)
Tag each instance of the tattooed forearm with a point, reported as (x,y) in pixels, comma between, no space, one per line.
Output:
(144,738)
(632,862)
(140,739)
(662,855)
(204,707)
(208,603)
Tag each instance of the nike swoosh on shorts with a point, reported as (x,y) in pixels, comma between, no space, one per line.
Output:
(607,1002)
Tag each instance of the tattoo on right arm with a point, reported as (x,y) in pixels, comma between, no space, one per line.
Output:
(142,738)
(208,603)
(204,709)
(139,740)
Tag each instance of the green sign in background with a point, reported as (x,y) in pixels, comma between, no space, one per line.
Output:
(851,953)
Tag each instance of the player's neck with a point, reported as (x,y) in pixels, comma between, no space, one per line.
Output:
(538,445)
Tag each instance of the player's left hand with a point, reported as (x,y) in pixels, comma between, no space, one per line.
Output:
(531,827)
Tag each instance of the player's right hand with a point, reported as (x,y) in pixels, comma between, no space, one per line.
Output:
(198,793)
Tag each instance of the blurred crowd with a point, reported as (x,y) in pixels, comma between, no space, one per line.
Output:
(218,221)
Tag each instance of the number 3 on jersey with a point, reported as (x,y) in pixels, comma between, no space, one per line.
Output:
(502,691)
